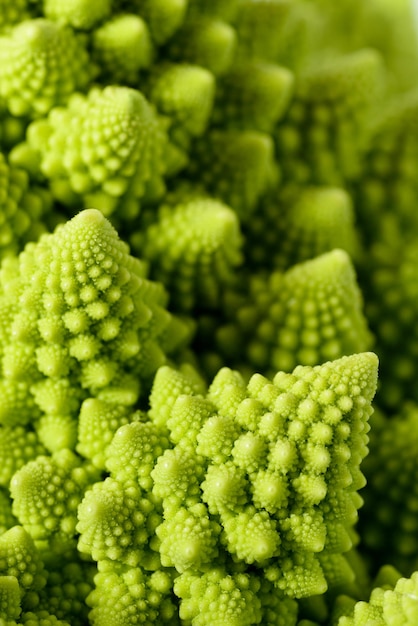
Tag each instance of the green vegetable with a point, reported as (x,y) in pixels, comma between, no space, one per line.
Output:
(208,303)
(42,63)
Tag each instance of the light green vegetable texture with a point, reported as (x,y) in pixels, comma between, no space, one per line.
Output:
(208,313)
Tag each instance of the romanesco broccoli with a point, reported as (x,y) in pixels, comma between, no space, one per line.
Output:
(208,301)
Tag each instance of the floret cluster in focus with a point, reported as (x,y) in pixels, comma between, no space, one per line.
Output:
(208,305)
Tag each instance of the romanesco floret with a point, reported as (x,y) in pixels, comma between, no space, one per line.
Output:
(85,161)
(49,60)
(183,93)
(218,598)
(113,522)
(205,244)
(46,493)
(19,558)
(97,423)
(189,538)
(78,306)
(128,596)
(176,477)
(311,400)
(168,385)
(308,314)
(134,449)
(121,48)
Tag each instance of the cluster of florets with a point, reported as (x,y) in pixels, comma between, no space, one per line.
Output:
(207,222)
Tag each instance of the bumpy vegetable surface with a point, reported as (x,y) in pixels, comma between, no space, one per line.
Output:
(208,302)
